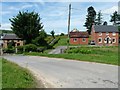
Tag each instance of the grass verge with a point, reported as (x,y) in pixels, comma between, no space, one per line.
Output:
(107,55)
(14,76)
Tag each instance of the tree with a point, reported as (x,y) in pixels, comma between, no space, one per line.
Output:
(90,19)
(99,18)
(114,18)
(40,40)
(26,25)
(52,33)
(62,34)
(105,23)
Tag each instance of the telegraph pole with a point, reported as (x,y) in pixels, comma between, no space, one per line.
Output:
(69,17)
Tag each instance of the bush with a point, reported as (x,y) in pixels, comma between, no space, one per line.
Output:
(30,47)
(54,42)
(41,49)
(79,50)
(9,50)
(20,49)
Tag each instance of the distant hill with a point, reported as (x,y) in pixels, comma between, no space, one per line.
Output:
(6,31)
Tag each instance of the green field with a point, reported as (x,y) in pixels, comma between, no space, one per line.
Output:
(62,41)
(14,76)
(107,55)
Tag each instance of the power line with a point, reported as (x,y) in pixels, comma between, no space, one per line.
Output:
(76,9)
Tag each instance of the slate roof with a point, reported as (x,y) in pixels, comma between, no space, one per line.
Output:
(79,35)
(105,28)
(10,37)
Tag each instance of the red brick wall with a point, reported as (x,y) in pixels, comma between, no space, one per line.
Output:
(79,41)
(96,37)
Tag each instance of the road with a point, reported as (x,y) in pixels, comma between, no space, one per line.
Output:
(58,50)
(61,73)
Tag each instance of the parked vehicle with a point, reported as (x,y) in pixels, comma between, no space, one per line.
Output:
(92,43)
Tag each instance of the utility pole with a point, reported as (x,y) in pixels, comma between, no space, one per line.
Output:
(69,17)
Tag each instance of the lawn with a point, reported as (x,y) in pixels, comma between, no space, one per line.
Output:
(14,76)
(107,55)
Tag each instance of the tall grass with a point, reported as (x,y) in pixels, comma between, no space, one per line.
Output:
(107,55)
(14,76)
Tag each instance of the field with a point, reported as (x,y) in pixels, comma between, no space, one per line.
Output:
(14,76)
(107,55)
(62,41)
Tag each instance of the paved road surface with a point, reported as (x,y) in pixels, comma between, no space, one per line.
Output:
(58,50)
(68,73)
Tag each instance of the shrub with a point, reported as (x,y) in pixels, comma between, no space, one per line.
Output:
(41,49)
(55,41)
(79,50)
(20,49)
(30,47)
(9,50)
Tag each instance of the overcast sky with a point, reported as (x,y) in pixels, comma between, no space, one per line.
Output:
(55,14)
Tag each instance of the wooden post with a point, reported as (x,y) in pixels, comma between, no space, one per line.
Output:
(69,25)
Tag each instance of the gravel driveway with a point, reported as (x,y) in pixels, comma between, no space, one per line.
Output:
(61,73)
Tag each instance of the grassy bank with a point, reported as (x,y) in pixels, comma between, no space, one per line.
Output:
(14,76)
(107,55)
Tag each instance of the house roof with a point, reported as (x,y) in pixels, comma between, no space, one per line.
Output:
(10,37)
(79,35)
(105,28)
(75,30)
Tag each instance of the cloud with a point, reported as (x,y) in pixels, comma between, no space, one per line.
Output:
(5,12)
(110,10)
(13,8)
(60,0)
(26,6)
(5,26)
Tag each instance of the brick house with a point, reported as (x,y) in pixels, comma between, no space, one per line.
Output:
(7,38)
(106,35)
(77,37)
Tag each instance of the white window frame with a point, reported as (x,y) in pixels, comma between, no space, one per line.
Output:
(114,34)
(107,33)
(100,33)
(101,40)
(114,41)
(75,39)
(83,39)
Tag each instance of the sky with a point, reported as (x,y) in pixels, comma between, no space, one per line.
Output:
(54,15)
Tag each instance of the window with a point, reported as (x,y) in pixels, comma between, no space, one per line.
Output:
(100,40)
(100,34)
(107,33)
(83,39)
(114,40)
(113,33)
(75,39)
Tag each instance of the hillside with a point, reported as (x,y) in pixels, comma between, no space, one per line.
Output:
(6,31)
(62,41)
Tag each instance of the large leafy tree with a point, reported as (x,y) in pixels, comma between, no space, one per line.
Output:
(114,17)
(26,25)
(52,33)
(99,18)
(40,40)
(90,19)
